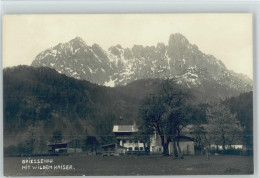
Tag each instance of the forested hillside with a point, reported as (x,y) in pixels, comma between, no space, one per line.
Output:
(44,100)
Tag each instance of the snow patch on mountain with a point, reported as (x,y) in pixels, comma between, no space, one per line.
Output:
(178,60)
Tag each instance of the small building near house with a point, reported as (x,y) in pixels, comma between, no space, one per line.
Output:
(54,147)
(65,147)
(155,144)
(186,145)
(113,150)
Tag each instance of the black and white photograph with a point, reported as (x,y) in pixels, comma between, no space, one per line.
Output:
(128,94)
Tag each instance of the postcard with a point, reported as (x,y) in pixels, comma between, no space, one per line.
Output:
(128,94)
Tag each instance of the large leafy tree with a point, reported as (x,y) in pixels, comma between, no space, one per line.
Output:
(165,113)
(223,127)
(144,135)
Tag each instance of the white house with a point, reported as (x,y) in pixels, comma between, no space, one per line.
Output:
(125,135)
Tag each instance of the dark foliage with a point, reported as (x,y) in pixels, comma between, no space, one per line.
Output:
(56,137)
(91,143)
(242,106)
(41,97)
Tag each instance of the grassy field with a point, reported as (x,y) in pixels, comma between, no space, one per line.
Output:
(133,165)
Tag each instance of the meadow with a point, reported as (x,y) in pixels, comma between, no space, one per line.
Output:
(130,165)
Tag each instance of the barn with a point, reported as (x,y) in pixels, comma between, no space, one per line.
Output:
(65,147)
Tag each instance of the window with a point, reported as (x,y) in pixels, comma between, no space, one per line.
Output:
(136,148)
(141,148)
(160,149)
(130,149)
(130,141)
(124,141)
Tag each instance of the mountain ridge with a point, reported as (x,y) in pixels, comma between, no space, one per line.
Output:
(117,66)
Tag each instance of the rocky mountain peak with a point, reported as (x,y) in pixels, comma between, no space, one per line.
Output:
(116,50)
(177,38)
(77,42)
(119,66)
(178,45)
(77,39)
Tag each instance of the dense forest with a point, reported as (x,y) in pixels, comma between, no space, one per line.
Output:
(39,101)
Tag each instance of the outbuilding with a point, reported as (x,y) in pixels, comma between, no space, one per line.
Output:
(113,150)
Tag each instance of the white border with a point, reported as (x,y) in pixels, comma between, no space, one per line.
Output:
(146,6)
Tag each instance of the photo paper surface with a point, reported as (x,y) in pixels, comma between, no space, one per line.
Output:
(128,94)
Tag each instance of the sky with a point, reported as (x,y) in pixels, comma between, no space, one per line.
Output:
(226,36)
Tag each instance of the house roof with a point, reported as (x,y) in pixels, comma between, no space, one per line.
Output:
(62,142)
(125,128)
